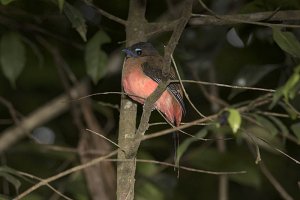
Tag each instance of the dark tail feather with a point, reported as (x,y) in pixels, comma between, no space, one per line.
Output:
(176,145)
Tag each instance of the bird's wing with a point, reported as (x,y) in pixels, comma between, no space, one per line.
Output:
(155,73)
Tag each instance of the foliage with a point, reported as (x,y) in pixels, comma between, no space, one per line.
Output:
(12,56)
(95,58)
(39,39)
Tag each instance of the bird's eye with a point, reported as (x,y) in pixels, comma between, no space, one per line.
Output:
(138,51)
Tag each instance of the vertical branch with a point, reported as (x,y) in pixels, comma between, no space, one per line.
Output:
(136,23)
(187,11)
(135,32)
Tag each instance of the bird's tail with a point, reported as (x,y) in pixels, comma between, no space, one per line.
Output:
(175,136)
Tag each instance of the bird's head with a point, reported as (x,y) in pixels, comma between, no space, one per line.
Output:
(140,49)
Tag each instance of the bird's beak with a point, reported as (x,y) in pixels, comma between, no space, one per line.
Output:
(128,53)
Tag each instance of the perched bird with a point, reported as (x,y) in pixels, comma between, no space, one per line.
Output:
(142,74)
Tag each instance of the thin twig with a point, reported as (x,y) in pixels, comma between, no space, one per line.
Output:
(228,20)
(283,193)
(183,88)
(214,19)
(58,148)
(252,18)
(12,111)
(227,86)
(207,8)
(104,93)
(288,136)
(182,126)
(190,135)
(48,185)
(72,150)
(292,108)
(274,114)
(258,156)
(186,81)
(210,97)
(98,134)
(280,151)
(109,105)
(272,146)
(270,177)
(106,14)
(179,167)
(256,103)
(291,138)
(64,173)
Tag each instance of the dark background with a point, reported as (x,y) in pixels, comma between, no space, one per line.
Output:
(242,54)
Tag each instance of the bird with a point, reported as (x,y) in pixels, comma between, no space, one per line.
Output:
(142,72)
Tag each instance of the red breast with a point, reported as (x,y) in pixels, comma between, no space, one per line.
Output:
(139,86)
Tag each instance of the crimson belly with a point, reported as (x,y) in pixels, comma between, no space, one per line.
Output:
(139,86)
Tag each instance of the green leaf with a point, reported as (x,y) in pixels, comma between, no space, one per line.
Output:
(283,129)
(234,119)
(95,58)
(294,91)
(35,50)
(266,124)
(292,113)
(11,179)
(12,56)
(149,190)
(6,2)
(146,169)
(76,18)
(289,89)
(61,4)
(276,96)
(263,138)
(5,169)
(296,130)
(290,84)
(287,41)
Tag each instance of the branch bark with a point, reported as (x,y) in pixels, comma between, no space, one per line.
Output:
(135,32)
(229,20)
(289,15)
